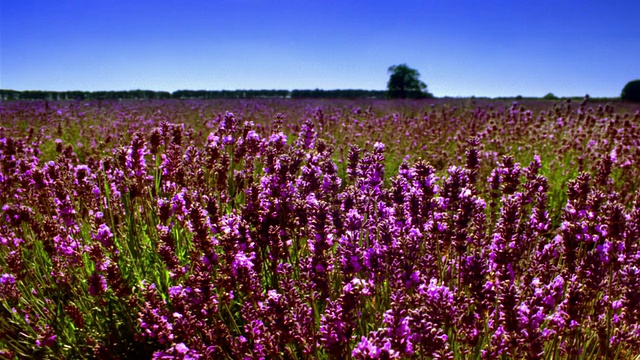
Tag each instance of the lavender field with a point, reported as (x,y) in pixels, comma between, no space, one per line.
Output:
(294,229)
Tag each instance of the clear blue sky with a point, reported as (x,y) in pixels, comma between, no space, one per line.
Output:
(461,48)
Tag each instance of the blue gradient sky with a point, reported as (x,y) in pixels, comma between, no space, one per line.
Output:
(461,48)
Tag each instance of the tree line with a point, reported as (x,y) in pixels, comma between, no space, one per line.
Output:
(190,94)
(404,82)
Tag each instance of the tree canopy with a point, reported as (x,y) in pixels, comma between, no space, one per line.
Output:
(631,91)
(192,94)
(404,82)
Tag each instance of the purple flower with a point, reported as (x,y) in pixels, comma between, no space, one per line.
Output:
(181,348)
(227,140)
(278,139)
(47,341)
(378,147)
(177,352)
(616,305)
(366,350)
(241,261)
(97,285)
(307,135)
(104,236)
(440,295)
(7,279)
(8,288)
(135,156)
(354,220)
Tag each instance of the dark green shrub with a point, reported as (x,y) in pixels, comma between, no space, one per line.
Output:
(631,91)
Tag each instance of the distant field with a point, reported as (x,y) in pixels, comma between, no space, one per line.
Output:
(304,229)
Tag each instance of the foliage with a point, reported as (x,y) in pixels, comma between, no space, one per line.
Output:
(318,229)
(550,96)
(191,94)
(631,91)
(404,82)
(338,94)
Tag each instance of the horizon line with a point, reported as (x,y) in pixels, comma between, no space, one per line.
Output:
(318,89)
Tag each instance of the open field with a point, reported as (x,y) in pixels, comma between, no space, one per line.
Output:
(295,229)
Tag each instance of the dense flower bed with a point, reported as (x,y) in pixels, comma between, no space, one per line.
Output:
(293,229)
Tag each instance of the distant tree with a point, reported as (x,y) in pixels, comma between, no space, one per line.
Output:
(631,91)
(404,82)
(550,96)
